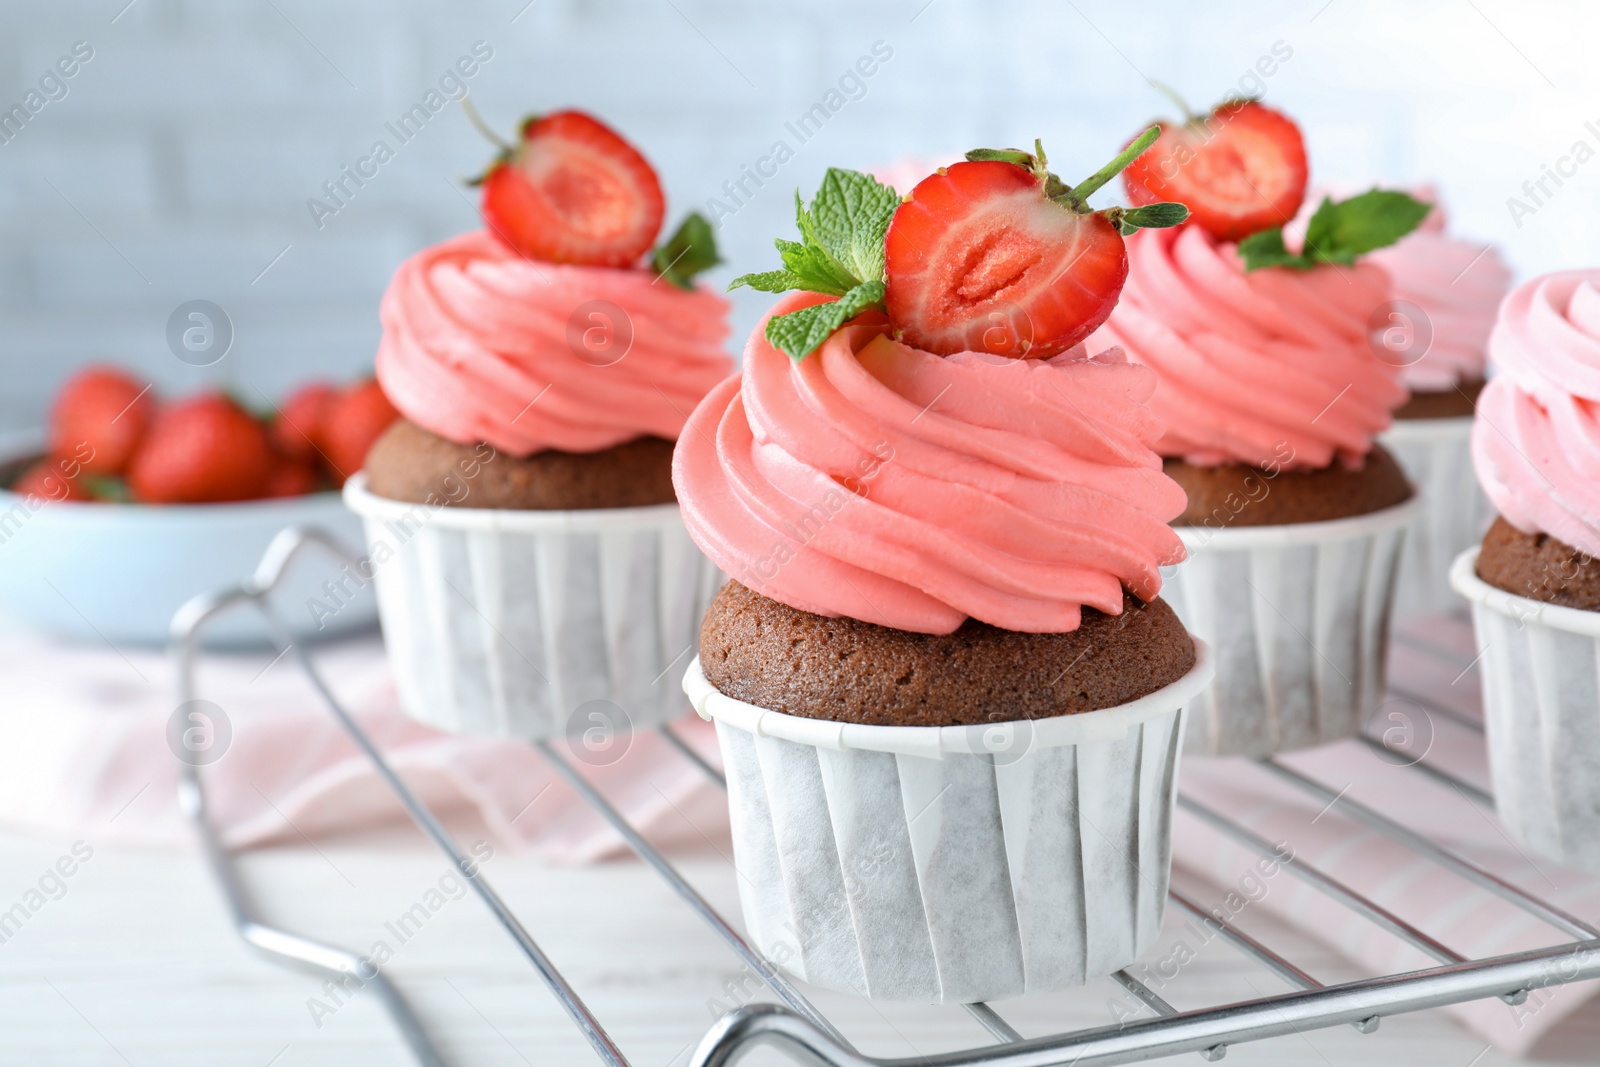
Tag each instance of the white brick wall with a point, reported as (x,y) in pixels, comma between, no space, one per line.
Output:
(194,136)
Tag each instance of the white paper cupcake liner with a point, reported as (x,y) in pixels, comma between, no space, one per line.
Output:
(1298,616)
(507,623)
(1436,455)
(952,864)
(1541,703)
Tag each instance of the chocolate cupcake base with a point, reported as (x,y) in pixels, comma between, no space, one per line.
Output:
(1456,403)
(765,653)
(411,464)
(1234,494)
(1539,567)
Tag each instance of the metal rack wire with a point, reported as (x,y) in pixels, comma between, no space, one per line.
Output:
(796,1026)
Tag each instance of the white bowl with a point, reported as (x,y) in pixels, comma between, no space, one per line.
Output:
(117,572)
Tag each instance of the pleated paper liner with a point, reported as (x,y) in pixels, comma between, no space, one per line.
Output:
(1436,455)
(952,864)
(531,624)
(1298,618)
(1541,704)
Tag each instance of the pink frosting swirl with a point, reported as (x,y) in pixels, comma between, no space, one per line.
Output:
(1458,284)
(1536,439)
(877,481)
(480,344)
(1250,365)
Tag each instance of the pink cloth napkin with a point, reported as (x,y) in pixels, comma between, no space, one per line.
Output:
(87,754)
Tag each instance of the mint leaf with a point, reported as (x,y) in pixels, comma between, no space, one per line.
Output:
(799,333)
(849,216)
(1339,232)
(1375,219)
(840,253)
(691,250)
(771,281)
(815,266)
(1265,248)
(1151,217)
(803,268)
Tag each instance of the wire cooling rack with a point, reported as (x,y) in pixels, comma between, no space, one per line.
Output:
(796,1027)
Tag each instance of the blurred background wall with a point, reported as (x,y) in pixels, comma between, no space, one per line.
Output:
(177,161)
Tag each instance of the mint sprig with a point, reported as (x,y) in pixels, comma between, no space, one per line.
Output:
(691,250)
(1339,232)
(840,254)
(849,217)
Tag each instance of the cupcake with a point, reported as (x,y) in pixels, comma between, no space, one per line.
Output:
(1534,584)
(1456,285)
(1272,399)
(1443,298)
(948,697)
(533,572)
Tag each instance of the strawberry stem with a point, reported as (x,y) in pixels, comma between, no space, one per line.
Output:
(483,127)
(1080,193)
(1172,94)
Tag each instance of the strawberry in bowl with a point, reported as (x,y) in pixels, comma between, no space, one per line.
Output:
(138,503)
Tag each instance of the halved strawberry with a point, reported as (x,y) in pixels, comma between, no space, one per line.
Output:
(1240,169)
(573,191)
(99,417)
(979,257)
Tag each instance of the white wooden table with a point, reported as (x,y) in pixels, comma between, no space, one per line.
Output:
(136,964)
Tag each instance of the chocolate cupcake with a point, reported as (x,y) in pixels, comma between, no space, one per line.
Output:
(532,567)
(1272,397)
(948,696)
(1534,584)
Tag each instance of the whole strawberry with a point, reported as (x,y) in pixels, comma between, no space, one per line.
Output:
(205,449)
(298,422)
(290,477)
(353,420)
(99,416)
(572,191)
(47,481)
